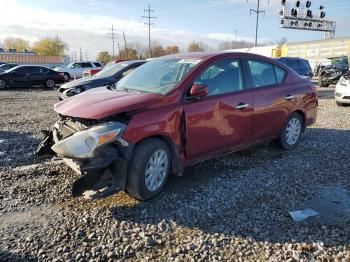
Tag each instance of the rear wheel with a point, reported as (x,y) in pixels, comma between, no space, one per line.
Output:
(149,169)
(291,132)
(50,83)
(3,84)
(67,76)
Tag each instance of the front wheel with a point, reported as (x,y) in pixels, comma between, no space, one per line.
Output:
(149,169)
(339,104)
(291,132)
(3,84)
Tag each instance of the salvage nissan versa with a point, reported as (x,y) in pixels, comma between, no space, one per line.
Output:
(176,111)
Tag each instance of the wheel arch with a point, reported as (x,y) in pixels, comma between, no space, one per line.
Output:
(176,165)
(303,117)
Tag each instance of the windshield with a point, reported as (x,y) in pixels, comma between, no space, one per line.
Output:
(110,70)
(158,76)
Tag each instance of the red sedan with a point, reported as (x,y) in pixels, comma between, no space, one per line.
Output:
(176,111)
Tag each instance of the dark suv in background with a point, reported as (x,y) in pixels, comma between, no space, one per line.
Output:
(299,65)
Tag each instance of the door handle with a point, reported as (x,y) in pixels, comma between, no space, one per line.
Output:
(241,106)
(289,97)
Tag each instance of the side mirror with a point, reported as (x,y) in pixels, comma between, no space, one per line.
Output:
(199,90)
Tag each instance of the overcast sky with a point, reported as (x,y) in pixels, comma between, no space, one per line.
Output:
(85,23)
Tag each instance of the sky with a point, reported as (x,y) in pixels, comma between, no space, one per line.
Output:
(86,23)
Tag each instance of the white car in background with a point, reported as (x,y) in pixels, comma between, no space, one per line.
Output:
(342,90)
(76,70)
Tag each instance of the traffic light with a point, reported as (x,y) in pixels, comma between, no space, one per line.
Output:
(283,2)
(322,15)
(297,4)
(309,13)
(308,4)
(294,12)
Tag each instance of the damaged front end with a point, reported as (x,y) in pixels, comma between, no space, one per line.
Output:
(93,149)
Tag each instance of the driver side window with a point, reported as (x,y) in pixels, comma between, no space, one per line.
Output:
(222,77)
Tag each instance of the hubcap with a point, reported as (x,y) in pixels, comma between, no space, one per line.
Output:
(50,83)
(293,131)
(156,170)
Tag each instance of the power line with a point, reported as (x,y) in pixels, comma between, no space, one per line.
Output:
(149,18)
(113,37)
(258,12)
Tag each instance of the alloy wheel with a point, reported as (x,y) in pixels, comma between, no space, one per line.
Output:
(293,131)
(50,83)
(2,84)
(156,170)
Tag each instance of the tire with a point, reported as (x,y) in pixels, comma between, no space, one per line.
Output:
(138,183)
(67,76)
(50,83)
(3,84)
(322,81)
(291,132)
(339,104)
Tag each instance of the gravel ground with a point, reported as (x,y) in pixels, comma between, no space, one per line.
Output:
(231,208)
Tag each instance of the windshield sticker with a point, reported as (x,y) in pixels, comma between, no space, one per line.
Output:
(189,61)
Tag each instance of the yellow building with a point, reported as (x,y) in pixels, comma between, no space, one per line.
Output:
(315,52)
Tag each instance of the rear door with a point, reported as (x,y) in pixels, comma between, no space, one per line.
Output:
(222,120)
(274,98)
(38,75)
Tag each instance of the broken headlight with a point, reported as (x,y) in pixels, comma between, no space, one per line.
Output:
(83,144)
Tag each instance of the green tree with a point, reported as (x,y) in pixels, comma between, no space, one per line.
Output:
(50,46)
(104,57)
(17,43)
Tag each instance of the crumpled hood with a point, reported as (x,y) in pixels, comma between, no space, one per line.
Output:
(101,102)
(93,81)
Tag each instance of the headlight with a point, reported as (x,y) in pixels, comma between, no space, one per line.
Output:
(342,81)
(73,91)
(84,143)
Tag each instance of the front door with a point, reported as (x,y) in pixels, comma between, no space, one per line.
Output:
(223,119)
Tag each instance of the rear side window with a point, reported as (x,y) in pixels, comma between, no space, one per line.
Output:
(263,74)
(97,64)
(280,74)
(85,65)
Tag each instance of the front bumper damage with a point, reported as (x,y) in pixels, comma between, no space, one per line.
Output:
(105,172)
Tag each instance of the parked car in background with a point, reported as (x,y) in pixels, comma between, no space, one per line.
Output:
(178,110)
(331,74)
(8,66)
(29,76)
(342,90)
(301,66)
(108,76)
(91,72)
(76,70)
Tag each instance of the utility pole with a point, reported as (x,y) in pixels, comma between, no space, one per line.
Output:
(236,32)
(149,18)
(119,50)
(81,55)
(86,55)
(114,37)
(126,47)
(258,12)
